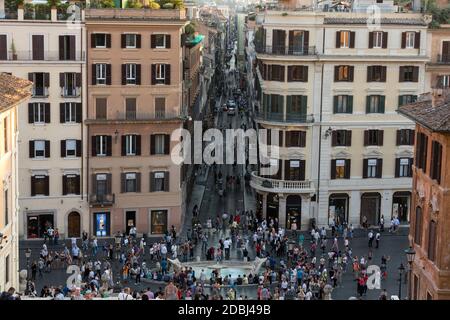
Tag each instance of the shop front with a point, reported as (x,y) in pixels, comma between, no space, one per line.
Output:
(273,206)
(338,208)
(400,206)
(38,223)
(158,222)
(293,211)
(370,208)
(102,224)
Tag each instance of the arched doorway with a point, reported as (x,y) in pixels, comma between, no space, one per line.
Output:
(338,208)
(73,225)
(400,205)
(293,210)
(272,204)
(370,207)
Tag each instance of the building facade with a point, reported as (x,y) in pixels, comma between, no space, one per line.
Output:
(332,86)
(429,232)
(135,74)
(438,68)
(44,50)
(13,94)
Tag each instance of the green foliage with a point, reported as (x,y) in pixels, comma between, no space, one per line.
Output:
(53,3)
(190,29)
(153,5)
(171,4)
(440,16)
(134,4)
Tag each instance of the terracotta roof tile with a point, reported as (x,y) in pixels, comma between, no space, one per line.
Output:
(435,118)
(13,90)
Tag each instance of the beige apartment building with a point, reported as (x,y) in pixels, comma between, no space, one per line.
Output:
(438,68)
(135,85)
(14,92)
(49,53)
(332,85)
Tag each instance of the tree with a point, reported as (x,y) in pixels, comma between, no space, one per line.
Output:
(53,3)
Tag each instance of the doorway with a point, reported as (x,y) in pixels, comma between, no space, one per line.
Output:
(293,211)
(338,208)
(73,225)
(130,220)
(272,206)
(37,225)
(400,205)
(370,207)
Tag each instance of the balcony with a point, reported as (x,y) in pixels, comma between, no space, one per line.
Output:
(139,117)
(102,200)
(134,14)
(40,92)
(70,92)
(285,50)
(288,118)
(43,56)
(443,59)
(280,186)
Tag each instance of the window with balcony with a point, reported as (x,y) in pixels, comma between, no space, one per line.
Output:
(373,137)
(70,83)
(376,74)
(436,161)
(39,149)
(297,73)
(279,41)
(101,145)
(67,48)
(298,42)
(100,108)
(39,113)
(40,185)
(375,104)
(372,168)
(71,184)
(3,47)
(131,145)
(160,107)
(160,41)
(130,108)
(159,144)
(343,73)
(161,74)
(41,83)
(340,169)
(294,170)
(341,138)
(37,43)
(131,182)
(405,137)
(102,186)
(403,167)
(296,107)
(159,181)
(343,104)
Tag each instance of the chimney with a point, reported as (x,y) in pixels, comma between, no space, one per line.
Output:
(437,97)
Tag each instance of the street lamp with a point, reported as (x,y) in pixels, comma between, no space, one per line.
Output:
(400,272)
(28,255)
(410,255)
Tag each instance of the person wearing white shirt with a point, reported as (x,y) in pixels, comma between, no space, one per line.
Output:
(125,295)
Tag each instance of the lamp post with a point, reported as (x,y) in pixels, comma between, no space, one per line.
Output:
(28,255)
(410,255)
(400,272)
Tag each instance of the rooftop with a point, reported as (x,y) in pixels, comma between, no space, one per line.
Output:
(115,14)
(13,90)
(436,118)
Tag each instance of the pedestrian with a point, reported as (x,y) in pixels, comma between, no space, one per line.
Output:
(382,223)
(377,240)
(371,237)
(56,237)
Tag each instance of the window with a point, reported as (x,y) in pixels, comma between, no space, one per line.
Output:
(160,107)
(71,184)
(41,83)
(409,40)
(373,137)
(371,168)
(445,53)
(129,145)
(298,42)
(7,269)
(418,226)
(406,99)
(100,73)
(343,73)
(66,47)
(3,47)
(130,41)
(100,108)
(409,74)
(297,73)
(160,41)
(99,40)
(70,82)
(443,82)
(159,181)
(273,105)
(296,139)
(6,134)
(130,73)
(343,104)
(101,145)
(376,74)
(160,144)
(403,168)
(160,74)
(340,169)
(39,185)
(275,72)
(341,138)
(296,106)
(70,112)
(39,149)
(378,39)
(436,161)
(71,148)
(421,151)
(130,108)
(432,241)
(102,185)
(405,137)
(130,182)
(344,39)
(294,170)
(6,206)
(375,104)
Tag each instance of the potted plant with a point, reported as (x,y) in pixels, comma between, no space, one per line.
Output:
(13,50)
(20,3)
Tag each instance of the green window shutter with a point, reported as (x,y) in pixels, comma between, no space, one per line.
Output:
(280,104)
(350,104)
(335,104)
(382,104)
(400,101)
(288,104)
(303,105)
(368,104)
